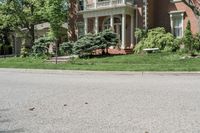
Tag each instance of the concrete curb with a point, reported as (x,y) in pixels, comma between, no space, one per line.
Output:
(48,71)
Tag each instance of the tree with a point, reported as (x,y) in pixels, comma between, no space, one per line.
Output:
(56,12)
(188,39)
(72,18)
(6,24)
(20,14)
(6,27)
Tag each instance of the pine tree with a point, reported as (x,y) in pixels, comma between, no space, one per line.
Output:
(188,39)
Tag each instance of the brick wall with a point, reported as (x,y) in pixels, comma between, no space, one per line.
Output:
(151,10)
(189,15)
(161,14)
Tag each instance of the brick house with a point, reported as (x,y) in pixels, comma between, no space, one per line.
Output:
(124,16)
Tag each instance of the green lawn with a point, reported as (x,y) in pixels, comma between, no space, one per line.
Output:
(150,62)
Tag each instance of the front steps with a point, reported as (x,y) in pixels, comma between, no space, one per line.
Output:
(116,51)
(61,59)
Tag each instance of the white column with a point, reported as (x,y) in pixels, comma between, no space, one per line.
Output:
(123,1)
(84,5)
(171,23)
(86,25)
(145,15)
(110,2)
(96,25)
(95,4)
(136,24)
(112,22)
(132,26)
(123,31)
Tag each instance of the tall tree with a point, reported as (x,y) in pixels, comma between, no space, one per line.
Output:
(56,12)
(23,14)
(7,22)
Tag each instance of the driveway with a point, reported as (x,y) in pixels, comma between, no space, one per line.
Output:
(38,101)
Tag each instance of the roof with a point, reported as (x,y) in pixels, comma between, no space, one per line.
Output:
(45,25)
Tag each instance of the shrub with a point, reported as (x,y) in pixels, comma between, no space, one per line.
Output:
(5,49)
(41,46)
(140,33)
(177,44)
(67,48)
(90,42)
(107,38)
(188,39)
(84,45)
(157,38)
(1,49)
(24,51)
(197,42)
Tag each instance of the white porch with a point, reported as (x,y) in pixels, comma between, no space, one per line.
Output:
(124,27)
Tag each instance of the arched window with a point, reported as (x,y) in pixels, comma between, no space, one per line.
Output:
(106,22)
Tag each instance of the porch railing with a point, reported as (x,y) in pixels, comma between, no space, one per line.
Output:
(107,3)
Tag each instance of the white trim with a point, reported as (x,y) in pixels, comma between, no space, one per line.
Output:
(176,12)
(175,1)
(108,11)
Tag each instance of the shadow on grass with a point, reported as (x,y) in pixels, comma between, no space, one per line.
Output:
(99,56)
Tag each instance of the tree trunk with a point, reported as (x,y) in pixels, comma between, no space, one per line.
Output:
(32,28)
(72,19)
(32,33)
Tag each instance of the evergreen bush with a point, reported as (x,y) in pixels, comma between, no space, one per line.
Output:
(66,48)
(41,46)
(91,42)
(197,42)
(188,39)
(85,45)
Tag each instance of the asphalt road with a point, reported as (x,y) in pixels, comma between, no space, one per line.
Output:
(37,101)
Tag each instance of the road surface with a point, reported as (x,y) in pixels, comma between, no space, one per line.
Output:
(39,101)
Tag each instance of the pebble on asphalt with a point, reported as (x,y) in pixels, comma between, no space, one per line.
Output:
(32,109)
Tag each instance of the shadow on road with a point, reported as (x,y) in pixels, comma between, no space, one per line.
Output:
(13,131)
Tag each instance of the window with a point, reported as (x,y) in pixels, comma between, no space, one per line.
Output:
(81,5)
(177,23)
(80,29)
(106,23)
(178,27)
